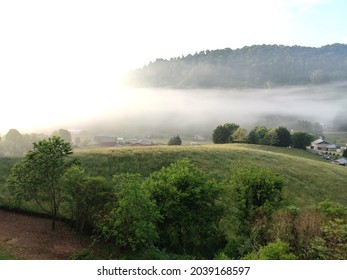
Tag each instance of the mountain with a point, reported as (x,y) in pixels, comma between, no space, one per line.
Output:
(258,66)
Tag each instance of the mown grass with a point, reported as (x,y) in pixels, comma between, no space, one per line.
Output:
(309,179)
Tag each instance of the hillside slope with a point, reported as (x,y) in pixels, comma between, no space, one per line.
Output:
(260,66)
(309,179)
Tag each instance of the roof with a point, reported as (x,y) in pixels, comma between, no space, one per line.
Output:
(144,142)
(319,141)
(341,161)
(327,146)
(104,139)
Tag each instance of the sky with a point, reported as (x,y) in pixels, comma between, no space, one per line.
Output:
(62,60)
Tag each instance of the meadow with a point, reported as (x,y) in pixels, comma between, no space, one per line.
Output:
(308,178)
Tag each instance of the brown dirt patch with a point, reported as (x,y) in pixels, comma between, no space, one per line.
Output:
(31,238)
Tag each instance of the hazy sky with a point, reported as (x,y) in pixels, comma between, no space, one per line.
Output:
(60,60)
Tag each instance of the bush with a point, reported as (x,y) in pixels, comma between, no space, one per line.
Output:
(187,201)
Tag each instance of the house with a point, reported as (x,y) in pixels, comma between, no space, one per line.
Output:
(144,142)
(322,145)
(105,141)
(340,161)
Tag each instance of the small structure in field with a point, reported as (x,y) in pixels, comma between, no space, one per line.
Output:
(145,142)
(105,141)
(340,161)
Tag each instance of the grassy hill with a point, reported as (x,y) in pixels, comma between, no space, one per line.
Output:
(309,179)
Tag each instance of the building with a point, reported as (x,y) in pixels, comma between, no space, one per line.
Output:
(322,145)
(145,142)
(340,161)
(105,141)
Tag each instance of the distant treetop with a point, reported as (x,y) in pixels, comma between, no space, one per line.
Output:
(257,66)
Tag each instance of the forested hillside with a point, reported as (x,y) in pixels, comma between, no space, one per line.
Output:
(258,66)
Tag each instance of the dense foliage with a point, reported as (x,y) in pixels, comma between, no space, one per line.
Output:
(187,201)
(175,140)
(37,176)
(175,210)
(261,66)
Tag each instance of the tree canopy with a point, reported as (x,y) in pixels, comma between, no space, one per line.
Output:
(37,176)
(260,66)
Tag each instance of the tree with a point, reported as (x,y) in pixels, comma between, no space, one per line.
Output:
(175,140)
(220,135)
(344,153)
(13,144)
(37,176)
(301,140)
(257,135)
(64,134)
(223,133)
(277,250)
(271,137)
(239,135)
(85,196)
(187,201)
(255,194)
(129,222)
(283,136)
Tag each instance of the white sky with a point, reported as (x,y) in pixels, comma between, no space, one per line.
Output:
(61,60)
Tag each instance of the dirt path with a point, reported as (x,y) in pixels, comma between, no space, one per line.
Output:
(29,237)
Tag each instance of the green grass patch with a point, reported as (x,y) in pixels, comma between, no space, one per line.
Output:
(5,255)
(309,179)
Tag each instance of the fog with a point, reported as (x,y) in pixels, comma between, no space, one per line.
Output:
(141,112)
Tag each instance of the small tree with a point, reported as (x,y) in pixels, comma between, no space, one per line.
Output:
(220,135)
(37,176)
(301,139)
(175,140)
(239,135)
(129,223)
(271,137)
(86,196)
(223,133)
(187,201)
(64,134)
(255,194)
(257,135)
(283,136)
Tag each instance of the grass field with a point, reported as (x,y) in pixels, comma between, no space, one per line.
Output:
(309,179)
(338,138)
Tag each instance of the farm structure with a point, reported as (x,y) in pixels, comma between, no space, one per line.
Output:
(322,145)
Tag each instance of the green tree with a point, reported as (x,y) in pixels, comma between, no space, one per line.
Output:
(255,194)
(86,196)
(239,135)
(257,135)
(283,136)
(129,222)
(271,137)
(277,250)
(37,176)
(220,135)
(187,201)
(223,133)
(301,139)
(344,153)
(175,140)
(64,134)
